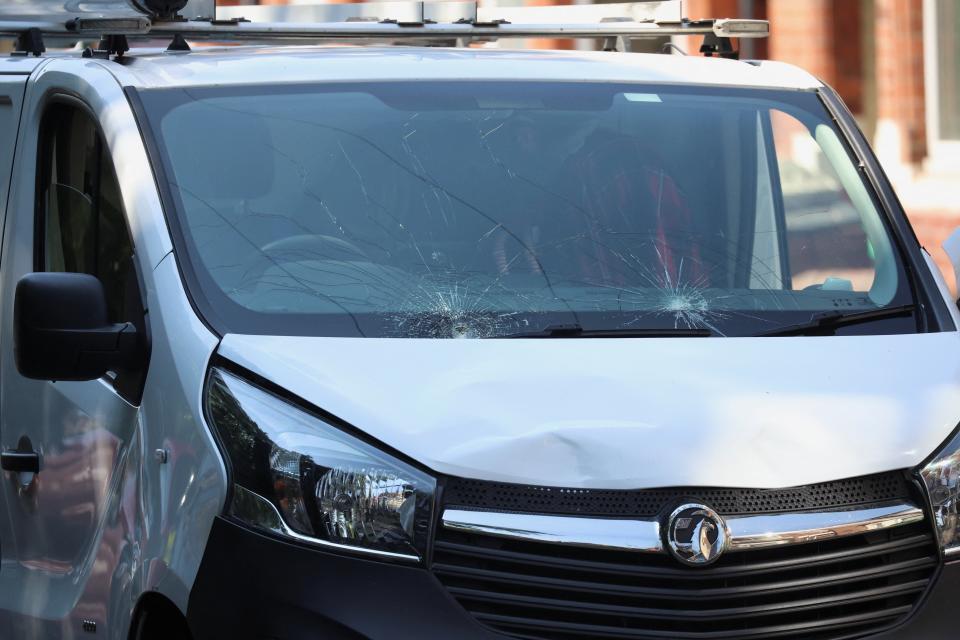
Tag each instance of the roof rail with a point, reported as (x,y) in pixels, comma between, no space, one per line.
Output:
(424,22)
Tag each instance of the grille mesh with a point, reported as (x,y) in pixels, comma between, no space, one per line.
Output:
(478,494)
(814,591)
(829,590)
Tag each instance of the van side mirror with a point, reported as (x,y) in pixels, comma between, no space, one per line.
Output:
(61,329)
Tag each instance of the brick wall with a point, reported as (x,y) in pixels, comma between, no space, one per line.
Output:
(901,124)
(848,64)
(801,33)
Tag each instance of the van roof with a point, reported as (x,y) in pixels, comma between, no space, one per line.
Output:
(297,64)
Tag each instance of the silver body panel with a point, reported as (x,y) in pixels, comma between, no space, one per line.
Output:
(55,576)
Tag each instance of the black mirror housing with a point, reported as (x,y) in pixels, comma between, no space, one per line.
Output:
(61,329)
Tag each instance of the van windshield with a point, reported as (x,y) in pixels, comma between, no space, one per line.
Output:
(483,209)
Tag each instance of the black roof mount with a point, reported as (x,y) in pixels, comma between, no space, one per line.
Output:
(30,42)
(109,45)
(179,43)
(714,45)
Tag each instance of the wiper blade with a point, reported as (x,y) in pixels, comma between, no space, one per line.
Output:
(827,322)
(577,331)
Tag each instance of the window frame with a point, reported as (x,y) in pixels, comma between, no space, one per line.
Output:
(129,385)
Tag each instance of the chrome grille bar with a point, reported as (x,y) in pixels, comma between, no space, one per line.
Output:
(601,533)
(757,532)
(746,532)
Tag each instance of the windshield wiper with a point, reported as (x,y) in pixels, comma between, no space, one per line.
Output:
(577,331)
(827,322)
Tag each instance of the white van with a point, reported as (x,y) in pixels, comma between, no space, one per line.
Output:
(423,342)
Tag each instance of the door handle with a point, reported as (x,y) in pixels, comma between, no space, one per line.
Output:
(23,459)
(20,461)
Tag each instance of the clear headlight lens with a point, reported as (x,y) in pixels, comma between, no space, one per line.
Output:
(941,476)
(296,475)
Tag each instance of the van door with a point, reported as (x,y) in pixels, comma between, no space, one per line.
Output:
(11,101)
(80,430)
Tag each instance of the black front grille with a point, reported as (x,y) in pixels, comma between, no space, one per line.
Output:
(841,588)
(645,503)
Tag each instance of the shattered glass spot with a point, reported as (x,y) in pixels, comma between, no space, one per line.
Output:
(451,311)
(688,307)
(687,303)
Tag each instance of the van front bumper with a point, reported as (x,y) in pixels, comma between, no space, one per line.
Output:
(254,586)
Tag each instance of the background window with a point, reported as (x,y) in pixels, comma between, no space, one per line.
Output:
(948,69)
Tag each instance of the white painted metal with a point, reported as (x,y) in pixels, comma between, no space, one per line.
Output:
(235,65)
(623,414)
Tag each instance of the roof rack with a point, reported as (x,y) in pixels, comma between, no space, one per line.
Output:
(421,22)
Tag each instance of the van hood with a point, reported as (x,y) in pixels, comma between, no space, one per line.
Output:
(632,413)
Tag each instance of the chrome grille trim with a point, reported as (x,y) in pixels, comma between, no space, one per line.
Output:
(599,533)
(757,532)
(643,535)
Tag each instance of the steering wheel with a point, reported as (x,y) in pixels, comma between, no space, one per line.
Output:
(295,247)
(303,246)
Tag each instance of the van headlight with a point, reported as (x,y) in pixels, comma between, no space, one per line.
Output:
(941,477)
(298,476)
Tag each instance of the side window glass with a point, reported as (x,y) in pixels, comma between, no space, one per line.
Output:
(81,223)
(828,245)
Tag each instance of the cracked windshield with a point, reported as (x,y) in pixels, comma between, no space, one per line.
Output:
(495,209)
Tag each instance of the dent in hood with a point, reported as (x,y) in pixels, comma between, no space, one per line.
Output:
(737,412)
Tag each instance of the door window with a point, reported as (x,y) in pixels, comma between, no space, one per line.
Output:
(82,225)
